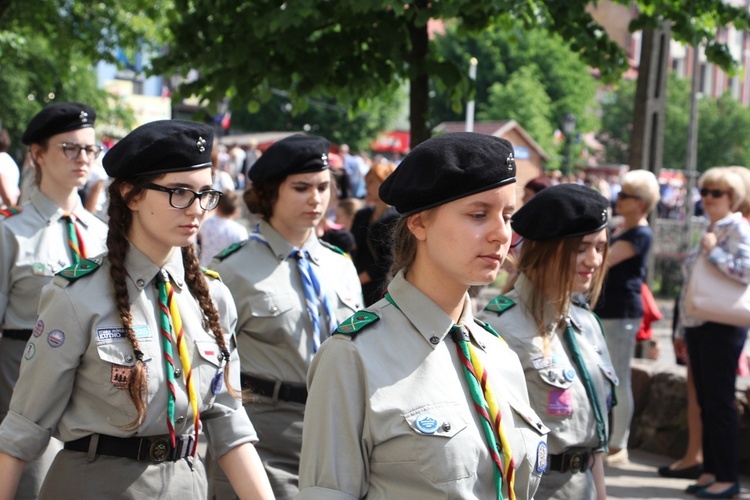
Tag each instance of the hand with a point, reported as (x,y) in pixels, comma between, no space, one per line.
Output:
(680,348)
(708,241)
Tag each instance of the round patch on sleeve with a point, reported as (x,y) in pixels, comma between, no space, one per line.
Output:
(30,351)
(217,383)
(55,338)
(38,328)
(541,458)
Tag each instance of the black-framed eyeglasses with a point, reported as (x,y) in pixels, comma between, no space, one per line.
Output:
(715,193)
(181,197)
(71,150)
(625,196)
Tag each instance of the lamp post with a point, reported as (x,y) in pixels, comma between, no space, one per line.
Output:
(568,128)
(470,105)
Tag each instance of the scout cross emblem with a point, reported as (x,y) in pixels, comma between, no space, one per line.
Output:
(511,162)
(201,143)
(84,117)
(324,157)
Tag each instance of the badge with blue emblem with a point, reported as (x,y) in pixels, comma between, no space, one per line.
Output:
(217,383)
(569,374)
(541,458)
(427,424)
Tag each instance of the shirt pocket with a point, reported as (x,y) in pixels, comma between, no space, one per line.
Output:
(273,317)
(557,376)
(208,369)
(445,451)
(349,300)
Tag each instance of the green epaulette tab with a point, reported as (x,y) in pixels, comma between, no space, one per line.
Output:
(357,322)
(499,304)
(229,250)
(10,211)
(79,270)
(334,248)
(211,273)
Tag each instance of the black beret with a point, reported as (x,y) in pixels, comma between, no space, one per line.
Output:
(160,147)
(296,154)
(562,211)
(58,118)
(446,168)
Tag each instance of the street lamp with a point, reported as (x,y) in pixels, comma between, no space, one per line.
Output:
(470,105)
(568,128)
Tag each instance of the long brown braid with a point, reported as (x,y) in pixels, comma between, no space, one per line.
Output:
(198,287)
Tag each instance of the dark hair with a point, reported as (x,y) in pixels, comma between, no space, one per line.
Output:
(404,247)
(4,141)
(260,197)
(120,221)
(228,203)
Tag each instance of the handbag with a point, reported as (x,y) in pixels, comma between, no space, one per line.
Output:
(712,296)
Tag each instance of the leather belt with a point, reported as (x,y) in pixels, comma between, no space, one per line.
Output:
(24,335)
(156,449)
(296,393)
(571,460)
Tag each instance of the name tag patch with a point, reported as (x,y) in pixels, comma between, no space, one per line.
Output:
(111,334)
(560,402)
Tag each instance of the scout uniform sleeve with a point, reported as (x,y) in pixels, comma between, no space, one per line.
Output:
(8,252)
(335,438)
(47,376)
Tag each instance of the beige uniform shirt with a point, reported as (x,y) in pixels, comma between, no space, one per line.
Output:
(274,332)
(73,376)
(33,247)
(556,389)
(373,399)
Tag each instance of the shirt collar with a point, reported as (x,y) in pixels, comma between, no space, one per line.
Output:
(52,213)
(281,248)
(142,271)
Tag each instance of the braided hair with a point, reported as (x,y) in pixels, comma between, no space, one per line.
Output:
(121,193)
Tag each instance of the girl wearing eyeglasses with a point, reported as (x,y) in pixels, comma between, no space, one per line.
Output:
(714,348)
(35,241)
(131,362)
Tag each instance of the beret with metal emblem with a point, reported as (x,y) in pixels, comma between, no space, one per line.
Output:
(296,154)
(56,119)
(448,167)
(562,211)
(161,147)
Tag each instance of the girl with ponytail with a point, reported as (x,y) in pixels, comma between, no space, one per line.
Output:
(127,364)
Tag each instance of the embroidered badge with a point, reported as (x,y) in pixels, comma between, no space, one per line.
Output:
(541,458)
(569,374)
(38,328)
(55,338)
(121,375)
(356,322)
(427,424)
(40,269)
(217,383)
(83,268)
(107,335)
(560,403)
(542,362)
(30,350)
(500,304)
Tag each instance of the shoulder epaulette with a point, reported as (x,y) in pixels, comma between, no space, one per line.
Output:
(334,248)
(79,270)
(357,322)
(489,328)
(10,211)
(229,250)
(500,304)
(582,303)
(211,273)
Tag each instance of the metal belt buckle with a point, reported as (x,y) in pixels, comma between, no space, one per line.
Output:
(158,451)
(576,462)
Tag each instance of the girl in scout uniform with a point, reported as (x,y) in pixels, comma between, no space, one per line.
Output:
(291,291)
(131,355)
(412,397)
(545,320)
(48,233)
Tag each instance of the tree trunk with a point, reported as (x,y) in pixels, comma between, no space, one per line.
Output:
(419,97)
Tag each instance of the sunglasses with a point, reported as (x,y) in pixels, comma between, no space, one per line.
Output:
(715,193)
(625,196)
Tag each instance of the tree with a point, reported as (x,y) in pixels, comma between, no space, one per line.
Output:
(354,51)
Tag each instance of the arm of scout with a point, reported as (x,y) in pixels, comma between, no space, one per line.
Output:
(335,459)
(598,471)
(11,469)
(245,471)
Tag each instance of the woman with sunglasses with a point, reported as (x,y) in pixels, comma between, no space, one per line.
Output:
(48,233)
(546,321)
(412,397)
(292,290)
(620,305)
(713,348)
(131,356)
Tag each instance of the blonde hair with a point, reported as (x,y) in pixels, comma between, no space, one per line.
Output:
(380,171)
(744,173)
(724,176)
(644,185)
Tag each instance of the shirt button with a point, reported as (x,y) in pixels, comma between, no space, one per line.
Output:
(141,283)
(274,309)
(434,340)
(447,426)
(178,372)
(129,358)
(180,419)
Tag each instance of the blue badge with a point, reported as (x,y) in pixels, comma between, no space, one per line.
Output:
(217,383)
(609,401)
(427,424)
(569,374)
(38,328)
(109,334)
(55,338)
(541,458)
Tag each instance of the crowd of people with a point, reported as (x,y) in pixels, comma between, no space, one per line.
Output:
(309,316)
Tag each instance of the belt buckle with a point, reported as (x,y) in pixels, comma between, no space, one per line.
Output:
(158,450)
(576,462)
